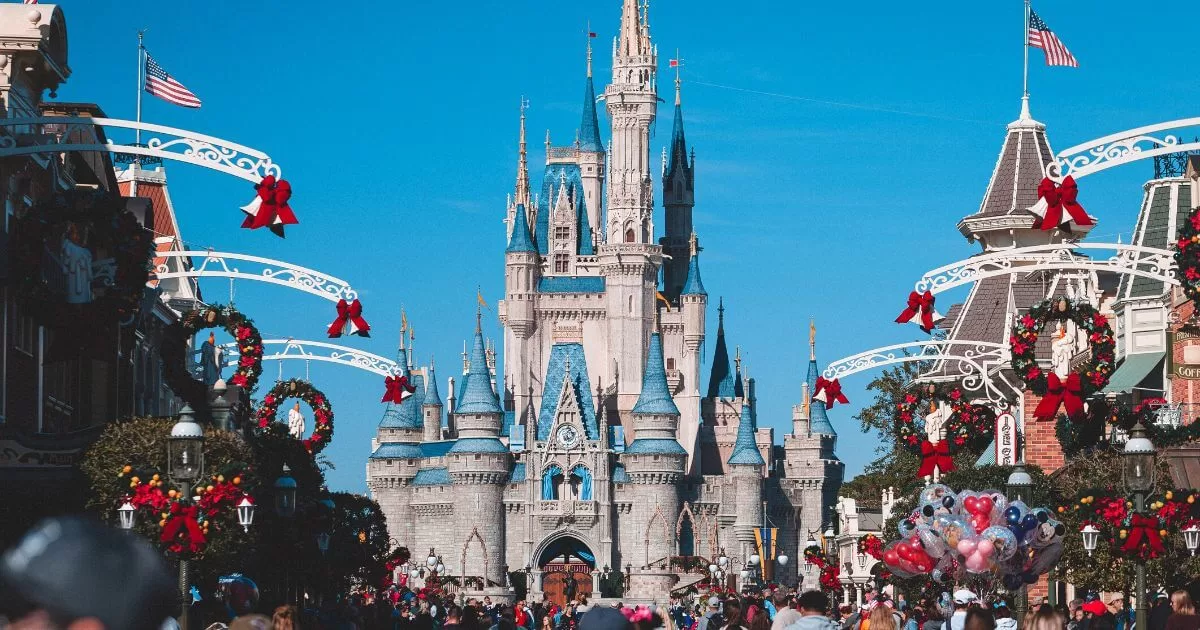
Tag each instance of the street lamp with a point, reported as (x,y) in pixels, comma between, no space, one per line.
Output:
(127,512)
(862,560)
(432,560)
(782,560)
(1138,460)
(1019,486)
(1091,536)
(185,465)
(1191,538)
(285,493)
(245,513)
(323,542)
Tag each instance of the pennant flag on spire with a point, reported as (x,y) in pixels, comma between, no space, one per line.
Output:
(591,33)
(479,298)
(1040,36)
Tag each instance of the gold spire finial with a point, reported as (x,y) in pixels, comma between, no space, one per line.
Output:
(812,340)
(522,192)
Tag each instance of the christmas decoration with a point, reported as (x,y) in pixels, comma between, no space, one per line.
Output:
(871,545)
(1057,207)
(952,421)
(80,260)
(397,389)
(1187,256)
(270,208)
(1069,391)
(1128,531)
(399,556)
(186,518)
(829,392)
(174,352)
(1164,435)
(920,311)
(830,572)
(349,320)
(297,388)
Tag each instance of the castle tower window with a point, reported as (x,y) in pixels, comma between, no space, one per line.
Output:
(670,364)
(630,236)
(562,233)
(562,263)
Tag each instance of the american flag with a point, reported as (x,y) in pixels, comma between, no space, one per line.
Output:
(164,86)
(1040,36)
(31,1)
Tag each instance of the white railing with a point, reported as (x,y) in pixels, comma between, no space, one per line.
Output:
(296,349)
(229,265)
(1123,147)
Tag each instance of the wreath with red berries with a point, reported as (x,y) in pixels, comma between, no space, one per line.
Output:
(969,426)
(830,572)
(1094,374)
(871,545)
(174,348)
(1187,256)
(297,388)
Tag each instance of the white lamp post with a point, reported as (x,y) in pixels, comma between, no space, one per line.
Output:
(753,560)
(431,561)
(245,513)
(782,560)
(1091,536)
(126,514)
(1191,538)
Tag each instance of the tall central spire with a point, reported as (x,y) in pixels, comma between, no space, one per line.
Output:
(634,39)
(522,191)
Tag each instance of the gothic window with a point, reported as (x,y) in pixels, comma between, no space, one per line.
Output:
(670,363)
(581,483)
(562,233)
(630,235)
(552,478)
(562,263)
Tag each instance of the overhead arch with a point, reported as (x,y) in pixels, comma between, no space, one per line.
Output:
(1124,147)
(230,265)
(299,349)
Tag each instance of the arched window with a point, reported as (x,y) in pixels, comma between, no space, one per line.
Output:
(552,478)
(581,483)
(630,235)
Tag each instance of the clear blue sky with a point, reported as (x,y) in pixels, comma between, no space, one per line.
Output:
(396,123)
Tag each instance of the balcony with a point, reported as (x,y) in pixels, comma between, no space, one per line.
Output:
(554,513)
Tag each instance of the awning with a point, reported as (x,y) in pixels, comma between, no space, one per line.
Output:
(1133,371)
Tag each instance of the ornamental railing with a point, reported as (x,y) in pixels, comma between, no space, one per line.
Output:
(208,264)
(1123,147)
(300,350)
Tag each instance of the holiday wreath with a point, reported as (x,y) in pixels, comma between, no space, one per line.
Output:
(296,388)
(1080,384)
(85,249)
(174,352)
(1187,256)
(1129,531)
(968,426)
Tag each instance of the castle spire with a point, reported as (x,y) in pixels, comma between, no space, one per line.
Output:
(656,395)
(745,447)
(720,380)
(478,395)
(589,126)
(432,397)
(412,346)
(819,419)
(521,195)
(694,285)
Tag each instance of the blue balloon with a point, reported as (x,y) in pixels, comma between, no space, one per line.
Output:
(1012,515)
(1029,522)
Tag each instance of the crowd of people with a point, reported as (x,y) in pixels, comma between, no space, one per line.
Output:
(72,574)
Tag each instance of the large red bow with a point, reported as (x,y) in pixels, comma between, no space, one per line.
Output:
(397,389)
(183,520)
(349,320)
(920,310)
(270,208)
(1142,526)
(1059,199)
(935,454)
(829,392)
(1065,393)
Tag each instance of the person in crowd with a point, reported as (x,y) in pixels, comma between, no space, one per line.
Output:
(732,613)
(1160,611)
(1121,612)
(63,574)
(761,620)
(603,618)
(882,617)
(979,618)
(962,601)
(712,619)
(284,618)
(1004,616)
(912,619)
(813,606)
(1076,621)
(934,620)
(1183,615)
(1046,618)
(785,615)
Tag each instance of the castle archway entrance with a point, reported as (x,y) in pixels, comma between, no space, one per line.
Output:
(566,564)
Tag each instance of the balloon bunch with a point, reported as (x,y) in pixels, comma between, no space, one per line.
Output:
(979,533)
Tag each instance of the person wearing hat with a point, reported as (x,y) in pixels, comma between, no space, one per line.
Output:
(712,619)
(77,574)
(962,601)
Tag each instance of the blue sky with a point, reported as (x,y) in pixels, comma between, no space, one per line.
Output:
(397,125)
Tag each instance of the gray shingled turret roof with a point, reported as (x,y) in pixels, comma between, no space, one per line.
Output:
(1165,205)
(1019,169)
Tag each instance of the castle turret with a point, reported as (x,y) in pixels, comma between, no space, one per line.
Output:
(396,453)
(746,467)
(522,269)
(678,196)
(693,302)
(431,407)
(591,156)
(479,463)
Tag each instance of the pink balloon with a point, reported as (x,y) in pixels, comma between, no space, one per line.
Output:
(985,548)
(966,546)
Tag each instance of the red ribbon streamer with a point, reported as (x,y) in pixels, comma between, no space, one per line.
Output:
(1060,199)
(1143,526)
(935,454)
(184,519)
(349,313)
(1060,393)
(273,210)
(396,386)
(918,303)
(832,390)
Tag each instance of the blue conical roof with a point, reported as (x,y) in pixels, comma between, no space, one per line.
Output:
(678,157)
(478,396)
(720,379)
(521,240)
(745,449)
(589,127)
(432,397)
(817,417)
(694,286)
(656,395)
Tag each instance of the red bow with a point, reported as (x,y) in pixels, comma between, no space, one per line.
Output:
(1060,198)
(270,207)
(1064,393)
(349,315)
(935,454)
(184,519)
(397,389)
(1142,526)
(920,305)
(829,392)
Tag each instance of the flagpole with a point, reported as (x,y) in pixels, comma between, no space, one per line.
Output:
(1025,74)
(141,66)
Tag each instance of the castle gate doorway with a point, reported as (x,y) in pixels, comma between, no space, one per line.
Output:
(567,565)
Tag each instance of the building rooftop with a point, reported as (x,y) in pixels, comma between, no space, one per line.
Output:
(563,355)
(745,447)
(656,395)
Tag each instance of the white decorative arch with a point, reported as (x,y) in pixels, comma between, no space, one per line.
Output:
(974,361)
(209,264)
(57,134)
(1123,147)
(298,349)
(1131,260)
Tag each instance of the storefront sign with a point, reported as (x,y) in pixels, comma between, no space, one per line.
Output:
(1006,440)
(1184,345)
(15,455)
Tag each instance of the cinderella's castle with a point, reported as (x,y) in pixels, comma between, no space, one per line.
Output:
(600,449)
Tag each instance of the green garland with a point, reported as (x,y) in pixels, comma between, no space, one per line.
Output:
(1187,256)
(173,351)
(971,426)
(113,232)
(1023,344)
